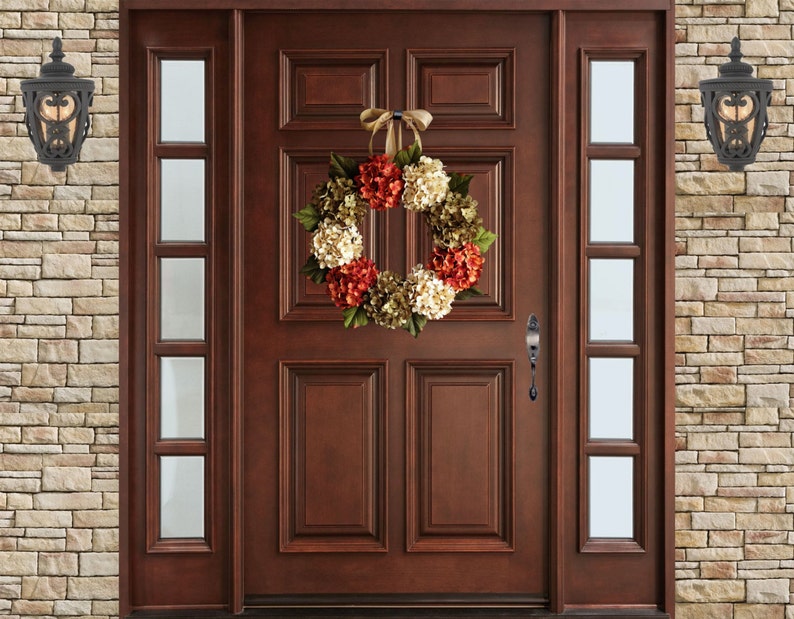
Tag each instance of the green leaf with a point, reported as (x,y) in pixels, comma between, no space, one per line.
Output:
(415,324)
(484,239)
(402,159)
(460,184)
(468,294)
(313,270)
(355,317)
(309,217)
(342,166)
(414,152)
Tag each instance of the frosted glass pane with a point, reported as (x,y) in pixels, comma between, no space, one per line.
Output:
(612,101)
(181,397)
(182,200)
(182,298)
(611,201)
(182,100)
(611,390)
(611,300)
(181,496)
(611,496)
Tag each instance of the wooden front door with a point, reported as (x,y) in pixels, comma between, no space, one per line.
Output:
(376,464)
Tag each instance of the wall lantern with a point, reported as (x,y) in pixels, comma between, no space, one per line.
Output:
(735,105)
(56,110)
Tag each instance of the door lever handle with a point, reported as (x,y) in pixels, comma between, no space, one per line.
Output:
(533,348)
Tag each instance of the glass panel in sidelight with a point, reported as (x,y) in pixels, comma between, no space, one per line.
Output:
(181,496)
(611,398)
(611,299)
(182,397)
(611,201)
(182,95)
(182,200)
(611,497)
(612,101)
(182,298)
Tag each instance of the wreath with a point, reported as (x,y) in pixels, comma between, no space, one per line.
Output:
(416,182)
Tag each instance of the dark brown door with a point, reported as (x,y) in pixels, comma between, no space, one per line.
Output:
(376,464)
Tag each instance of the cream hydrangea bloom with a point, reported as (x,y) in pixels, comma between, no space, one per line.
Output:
(429,295)
(335,244)
(425,184)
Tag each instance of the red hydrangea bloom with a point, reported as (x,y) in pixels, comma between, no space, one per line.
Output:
(380,182)
(459,267)
(348,283)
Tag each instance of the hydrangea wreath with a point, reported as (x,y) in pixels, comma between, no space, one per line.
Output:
(355,283)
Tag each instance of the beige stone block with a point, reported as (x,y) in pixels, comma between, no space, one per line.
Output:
(78,326)
(713,326)
(712,441)
(18,351)
(106,540)
(696,288)
(94,306)
(691,539)
(758,611)
(104,518)
(44,306)
(43,587)
(79,539)
(718,375)
(710,183)
(768,591)
(710,396)
(94,173)
(713,245)
(93,588)
(68,266)
(65,479)
(714,521)
(99,564)
(691,343)
(697,484)
(718,569)
(58,351)
(18,563)
(762,416)
(761,8)
(58,563)
(768,183)
(38,519)
(770,260)
(765,439)
(762,221)
(106,327)
(67,500)
(710,591)
(761,522)
(765,326)
(768,395)
(100,149)
(31,607)
(760,552)
(93,375)
(703,610)
(767,455)
(43,375)
(99,351)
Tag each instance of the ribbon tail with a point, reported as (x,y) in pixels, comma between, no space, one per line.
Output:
(391,146)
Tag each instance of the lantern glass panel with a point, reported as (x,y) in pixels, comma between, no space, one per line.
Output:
(58,112)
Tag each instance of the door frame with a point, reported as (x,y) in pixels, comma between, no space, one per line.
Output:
(564,261)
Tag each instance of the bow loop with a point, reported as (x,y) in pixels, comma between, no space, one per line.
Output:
(374,119)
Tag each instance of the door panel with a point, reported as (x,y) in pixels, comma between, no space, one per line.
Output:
(376,464)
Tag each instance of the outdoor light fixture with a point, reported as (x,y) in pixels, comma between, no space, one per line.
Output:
(56,110)
(735,105)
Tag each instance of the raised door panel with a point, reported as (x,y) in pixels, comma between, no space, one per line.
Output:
(460,456)
(332,460)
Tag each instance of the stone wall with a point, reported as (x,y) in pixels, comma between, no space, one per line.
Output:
(735,329)
(59,328)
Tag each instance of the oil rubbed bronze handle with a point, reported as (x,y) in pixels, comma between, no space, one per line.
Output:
(533,348)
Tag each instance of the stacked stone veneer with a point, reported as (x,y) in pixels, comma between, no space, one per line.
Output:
(735,329)
(59,329)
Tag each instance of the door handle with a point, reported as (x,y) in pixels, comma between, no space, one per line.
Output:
(533,348)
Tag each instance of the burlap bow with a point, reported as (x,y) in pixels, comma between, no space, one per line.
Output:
(373,119)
